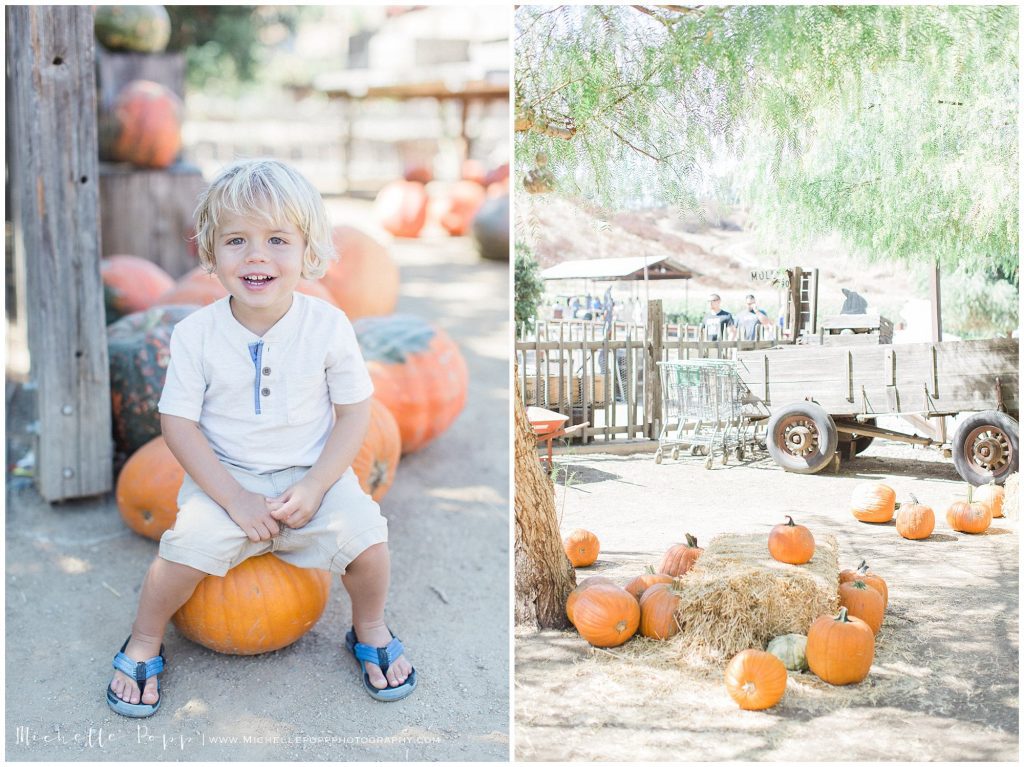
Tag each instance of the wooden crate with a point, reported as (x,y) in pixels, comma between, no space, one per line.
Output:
(556,397)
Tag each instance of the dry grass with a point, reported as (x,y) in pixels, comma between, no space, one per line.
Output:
(738,597)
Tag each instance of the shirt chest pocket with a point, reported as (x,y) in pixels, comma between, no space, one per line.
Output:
(307,398)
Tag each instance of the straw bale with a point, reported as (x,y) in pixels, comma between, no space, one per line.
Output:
(1011,503)
(738,597)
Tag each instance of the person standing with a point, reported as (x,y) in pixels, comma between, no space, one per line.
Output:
(752,317)
(718,323)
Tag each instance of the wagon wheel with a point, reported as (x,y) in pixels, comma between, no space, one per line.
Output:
(802,437)
(985,448)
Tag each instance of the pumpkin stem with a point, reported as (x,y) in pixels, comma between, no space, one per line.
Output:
(913,498)
(862,568)
(841,618)
(649,570)
(691,541)
(970,492)
(859,584)
(790,523)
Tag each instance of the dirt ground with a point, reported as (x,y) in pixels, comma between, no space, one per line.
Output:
(73,573)
(945,680)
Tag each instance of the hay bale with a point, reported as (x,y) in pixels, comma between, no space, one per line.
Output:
(1011,503)
(737,596)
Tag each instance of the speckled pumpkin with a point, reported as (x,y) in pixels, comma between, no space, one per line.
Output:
(139,28)
(139,350)
(261,605)
(418,373)
(147,489)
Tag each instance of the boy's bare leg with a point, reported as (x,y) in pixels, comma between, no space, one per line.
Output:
(167,586)
(366,579)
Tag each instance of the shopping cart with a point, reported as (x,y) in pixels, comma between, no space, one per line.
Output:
(707,409)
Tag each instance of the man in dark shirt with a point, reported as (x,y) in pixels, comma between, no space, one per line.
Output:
(748,320)
(718,323)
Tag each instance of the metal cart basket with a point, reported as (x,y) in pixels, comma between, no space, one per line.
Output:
(705,409)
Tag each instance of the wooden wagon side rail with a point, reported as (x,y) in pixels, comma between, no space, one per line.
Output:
(927,378)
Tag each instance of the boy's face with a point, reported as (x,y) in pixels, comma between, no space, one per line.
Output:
(259,263)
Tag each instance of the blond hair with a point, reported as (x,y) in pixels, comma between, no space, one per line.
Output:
(271,191)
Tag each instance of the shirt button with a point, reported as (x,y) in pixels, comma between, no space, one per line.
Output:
(265,391)
(266,371)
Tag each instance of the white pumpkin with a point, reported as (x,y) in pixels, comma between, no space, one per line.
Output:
(791,649)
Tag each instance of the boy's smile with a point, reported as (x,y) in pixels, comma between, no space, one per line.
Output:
(259,263)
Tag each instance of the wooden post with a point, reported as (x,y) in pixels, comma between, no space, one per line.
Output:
(935,290)
(652,373)
(56,200)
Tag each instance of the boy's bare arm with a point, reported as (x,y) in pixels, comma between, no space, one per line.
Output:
(297,505)
(249,510)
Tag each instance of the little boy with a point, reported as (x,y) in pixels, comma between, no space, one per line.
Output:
(265,404)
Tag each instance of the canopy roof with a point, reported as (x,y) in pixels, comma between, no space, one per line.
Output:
(632,268)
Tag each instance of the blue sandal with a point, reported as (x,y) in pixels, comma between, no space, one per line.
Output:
(383,657)
(140,672)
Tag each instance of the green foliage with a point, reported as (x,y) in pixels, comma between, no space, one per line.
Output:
(529,288)
(225,44)
(975,306)
(894,125)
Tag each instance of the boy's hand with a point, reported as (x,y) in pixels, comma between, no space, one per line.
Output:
(251,512)
(297,505)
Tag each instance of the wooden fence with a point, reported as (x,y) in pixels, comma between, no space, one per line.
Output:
(608,377)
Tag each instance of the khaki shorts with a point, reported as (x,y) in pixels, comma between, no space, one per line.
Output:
(206,538)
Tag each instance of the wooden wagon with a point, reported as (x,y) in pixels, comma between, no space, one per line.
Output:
(823,398)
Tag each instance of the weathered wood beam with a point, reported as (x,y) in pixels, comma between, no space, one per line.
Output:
(54,182)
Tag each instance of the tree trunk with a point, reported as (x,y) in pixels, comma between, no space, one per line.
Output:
(544,576)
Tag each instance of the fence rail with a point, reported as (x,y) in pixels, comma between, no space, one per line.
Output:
(608,376)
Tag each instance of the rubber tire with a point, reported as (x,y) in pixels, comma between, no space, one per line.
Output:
(967,470)
(824,425)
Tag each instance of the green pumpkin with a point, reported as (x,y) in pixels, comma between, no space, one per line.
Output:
(140,28)
(139,350)
(791,649)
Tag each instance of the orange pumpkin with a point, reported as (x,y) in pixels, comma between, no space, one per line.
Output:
(862,602)
(363,282)
(873,580)
(791,543)
(681,557)
(873,502)
(756,680)
(377,459)
(658,611)
(915,521)
(586,583)
(401,208)
(418,373)
(606,616)
(993,495)
(464,201)
(641,583)
(582,548)
(147,489)
(969,516)
(131,284)
(261,605)
(840,650)
(144,126)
